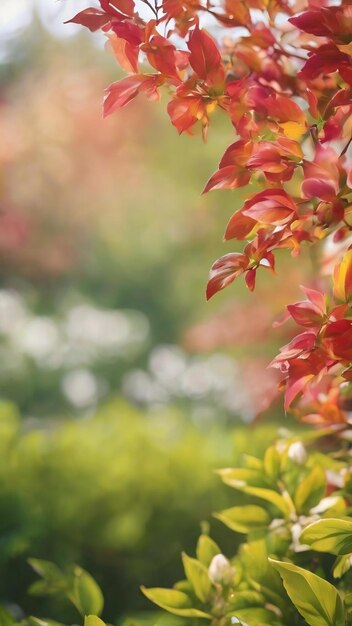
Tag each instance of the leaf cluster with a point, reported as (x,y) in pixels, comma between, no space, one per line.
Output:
(295,516)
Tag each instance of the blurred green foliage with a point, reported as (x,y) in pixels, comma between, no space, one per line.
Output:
(121,494)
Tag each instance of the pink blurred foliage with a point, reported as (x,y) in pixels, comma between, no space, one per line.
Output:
(61,166)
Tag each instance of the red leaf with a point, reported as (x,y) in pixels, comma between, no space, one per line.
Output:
(260,247)
(228,177)
(250,277)
(271,206)
(306,314)
(205,58)
(284,109)
(339,312)
(325,60)
(224,271)
(94,19)
(302,344)
(276,159)
(268,261)
(185,112)
(301,371)
(315,297)
(322,175)
(333,22)
(294,387)
(123,91)
(237,153)
(311,22)
(130,32)
(182,59)
(161,55)
(313,104)
(114,7)
(232,172)
(315,188)
(337,339)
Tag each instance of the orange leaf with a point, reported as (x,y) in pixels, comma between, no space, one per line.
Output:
(161,55)
(126,54)
(343,278)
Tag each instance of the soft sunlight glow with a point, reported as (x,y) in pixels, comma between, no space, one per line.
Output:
(15,15)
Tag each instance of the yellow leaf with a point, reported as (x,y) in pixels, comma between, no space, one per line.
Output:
(293,130)
(343,278)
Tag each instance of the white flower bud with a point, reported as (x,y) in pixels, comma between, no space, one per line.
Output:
(297,453)
(220,570)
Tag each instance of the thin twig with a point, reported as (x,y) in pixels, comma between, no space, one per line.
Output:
(289,54)
(150,7)
(346,147)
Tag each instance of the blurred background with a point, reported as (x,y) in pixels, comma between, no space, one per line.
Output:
(121,388)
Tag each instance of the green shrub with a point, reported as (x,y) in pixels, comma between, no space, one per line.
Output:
(296,522)
(120,493)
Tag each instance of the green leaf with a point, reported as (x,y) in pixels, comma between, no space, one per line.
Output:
(348,600)
(331,506)
(36,621)
(6,618)
(236,620)
(282,503)
(342,565)
(310,490)
(252,462)
(253,557)
(185,586)
(272,462)
(245,599)
(44,588)
(242,476)
(86,594)
(174,601)
(255,483)
(274,597)
(329,535)
(316,599)
(312,435)
(197,574)
(256,615)
(206,550)
(93,620)
(243,519)
(46,569)
(54,580)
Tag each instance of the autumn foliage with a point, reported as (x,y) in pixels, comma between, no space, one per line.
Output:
(281,71)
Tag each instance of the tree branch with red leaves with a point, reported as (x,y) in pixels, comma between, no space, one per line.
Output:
(286,87)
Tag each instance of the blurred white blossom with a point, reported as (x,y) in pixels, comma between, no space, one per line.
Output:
(297,453)
(80,388)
